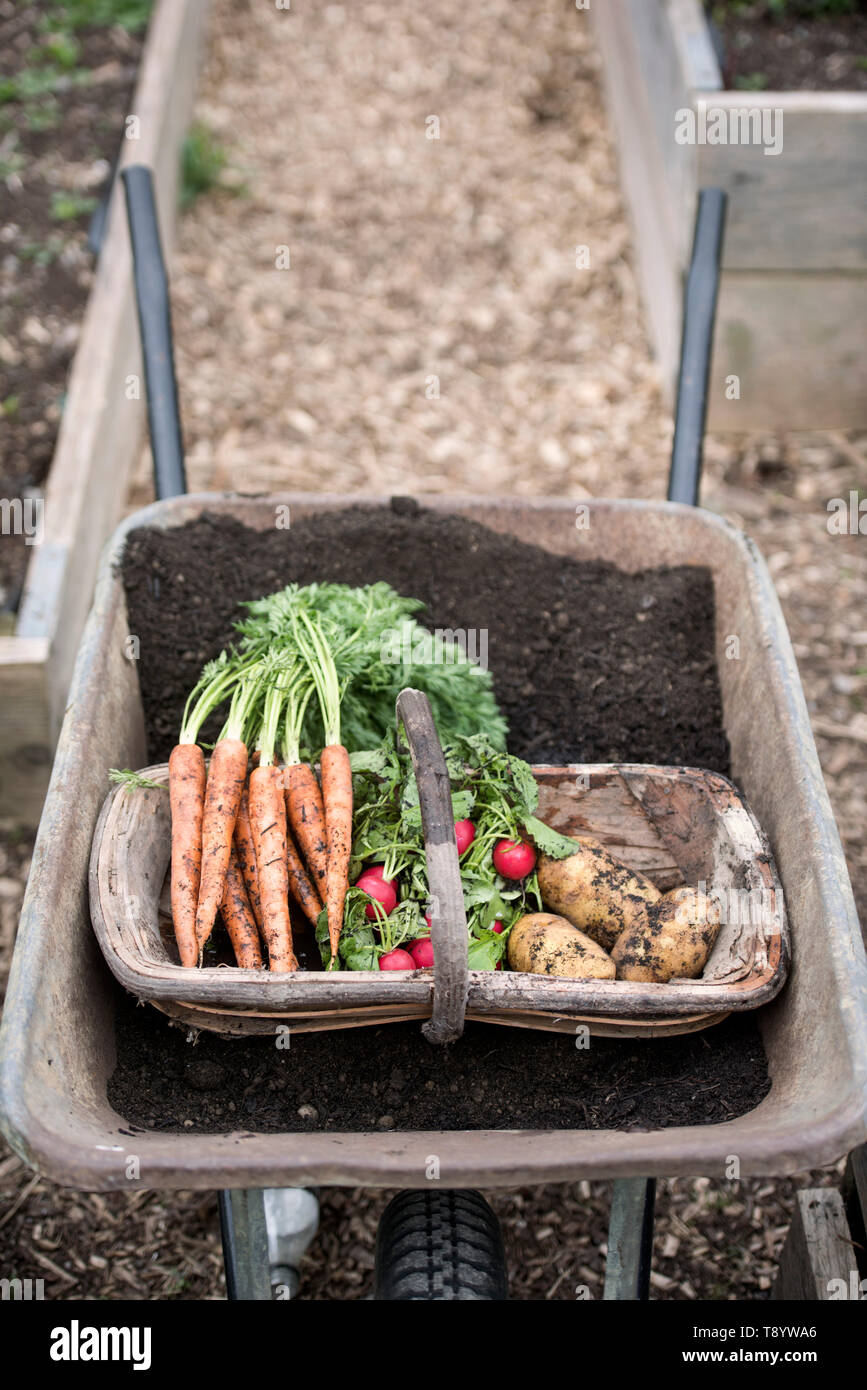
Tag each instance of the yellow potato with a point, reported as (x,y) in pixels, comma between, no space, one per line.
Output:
(674,944)
(596,892)
(542,944)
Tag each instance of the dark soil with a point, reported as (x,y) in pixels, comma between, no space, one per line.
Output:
(389,1078)
(797,51)
(590,664)
(63,100)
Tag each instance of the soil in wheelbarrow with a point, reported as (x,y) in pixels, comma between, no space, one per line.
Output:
(589,664)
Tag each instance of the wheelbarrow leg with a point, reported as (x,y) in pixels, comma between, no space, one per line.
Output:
(245,1244)
(265,1234)
(630,1240)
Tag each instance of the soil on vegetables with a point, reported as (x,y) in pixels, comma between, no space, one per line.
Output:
(799,49)
(590,664)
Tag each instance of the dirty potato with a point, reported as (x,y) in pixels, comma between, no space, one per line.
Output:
(597,893)
(543,944)
(675,942)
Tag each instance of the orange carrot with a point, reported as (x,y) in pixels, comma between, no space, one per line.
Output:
(334,767)
(304,808)
(337,796)
(268,821)
(307,820)
(186,798)
(238,917)
(300,886)
(226,774)
(246,852)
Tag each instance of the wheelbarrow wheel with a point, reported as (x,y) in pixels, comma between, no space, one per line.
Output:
(439,1246)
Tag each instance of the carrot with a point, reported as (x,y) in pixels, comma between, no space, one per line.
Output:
(227,773)
(246,852)
(300,886)
(238,917)
(335,770)
(268,820)
(186,798)
(304,806)
(337,795)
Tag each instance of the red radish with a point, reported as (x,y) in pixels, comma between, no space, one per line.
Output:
(497,926)
(376,871)
(465,833)
(397,960)
(422,952)
(379,888)
(514,858)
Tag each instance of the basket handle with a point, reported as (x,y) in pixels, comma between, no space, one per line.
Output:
(448,917)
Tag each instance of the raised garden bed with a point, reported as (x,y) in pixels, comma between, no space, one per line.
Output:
(66,86)
(793,298)
(101,421)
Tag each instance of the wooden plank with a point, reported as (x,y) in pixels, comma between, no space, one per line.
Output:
(698,60)
(25,734)
(802,209)
(798,345)
(793,292)
(101,427)
(855,1200)
(660,228)
(818,1260)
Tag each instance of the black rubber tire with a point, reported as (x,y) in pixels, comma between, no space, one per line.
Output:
(438,1246)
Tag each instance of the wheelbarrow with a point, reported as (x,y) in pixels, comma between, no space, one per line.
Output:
(57,1047)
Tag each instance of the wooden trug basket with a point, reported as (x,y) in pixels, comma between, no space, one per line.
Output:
(678,825)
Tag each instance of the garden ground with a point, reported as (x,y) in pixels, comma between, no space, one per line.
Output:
(433,332)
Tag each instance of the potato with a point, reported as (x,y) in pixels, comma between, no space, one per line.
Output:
(674,943)
(596,892)
(542,944)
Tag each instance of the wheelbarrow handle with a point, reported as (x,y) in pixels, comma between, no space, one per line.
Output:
(155,326)
(447,914)
(696,349)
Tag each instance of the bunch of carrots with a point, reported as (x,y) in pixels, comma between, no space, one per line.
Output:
(256,826)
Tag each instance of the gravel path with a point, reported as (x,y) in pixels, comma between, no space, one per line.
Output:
(413,259)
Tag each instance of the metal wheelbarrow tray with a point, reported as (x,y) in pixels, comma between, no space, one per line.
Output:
(58,1047)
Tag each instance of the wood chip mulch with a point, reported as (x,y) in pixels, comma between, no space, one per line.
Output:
(411,259)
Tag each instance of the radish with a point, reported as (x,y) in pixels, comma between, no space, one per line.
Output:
(381,889)
(465,833)
(397,960)
(514,859)
(422,952)
(497,925)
